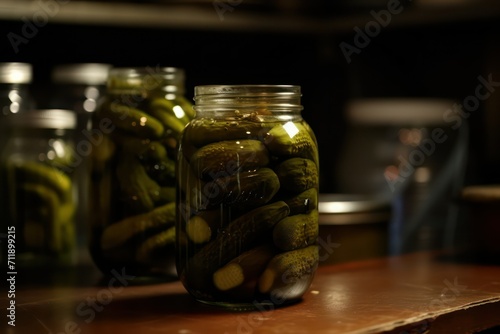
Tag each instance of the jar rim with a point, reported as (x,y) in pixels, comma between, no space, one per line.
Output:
(16,73)
(247,90)
(43,119)
(81,73)
(134,72)
(168,79)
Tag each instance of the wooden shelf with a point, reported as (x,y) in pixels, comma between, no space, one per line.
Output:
(415,294)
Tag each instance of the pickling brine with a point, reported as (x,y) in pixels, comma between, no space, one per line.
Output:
(133,171)
(247,219)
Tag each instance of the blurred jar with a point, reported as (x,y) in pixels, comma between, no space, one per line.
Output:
(481,208)
(15,80)
(15,97)
(352,227)
(80,87)
(411,152)
(133,171)
(248,195)
(39,191)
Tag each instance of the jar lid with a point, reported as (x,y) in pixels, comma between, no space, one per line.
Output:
(396,111)
(481,193)
(43,119)
(168,79)
(249,96)
(340,209)
(86,73)
(15,73)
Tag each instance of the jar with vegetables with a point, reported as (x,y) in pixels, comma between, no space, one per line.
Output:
(38,187)
(247,219)
(133,171)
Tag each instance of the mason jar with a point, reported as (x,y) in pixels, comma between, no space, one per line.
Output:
(80,87)
(15,81)
(15,96)
(247,221)
(132,197)
(39,192)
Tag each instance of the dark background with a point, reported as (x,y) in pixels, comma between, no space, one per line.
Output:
(434,53)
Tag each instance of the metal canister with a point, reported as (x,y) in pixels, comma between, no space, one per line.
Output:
(352,227)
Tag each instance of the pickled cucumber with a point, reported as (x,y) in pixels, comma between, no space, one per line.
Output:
(245,268)
(144,253)
(228,157)
(48,213)
(297,175)
(139,190)
(236,238)
(201,227)
(185,105)
(243,190)
(171,123)
(40,173)
(303,202)
(143,148)
(296,231)
(118,233)
(163,106)
(292,139)
(289,274)
(132,120)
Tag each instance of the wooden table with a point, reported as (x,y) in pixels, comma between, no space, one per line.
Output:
(409,294)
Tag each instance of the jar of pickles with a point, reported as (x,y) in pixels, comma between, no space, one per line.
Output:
(135,130)
(247,221)
(38,189)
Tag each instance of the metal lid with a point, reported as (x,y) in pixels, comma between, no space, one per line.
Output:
(398,111)
(481,193)
(86,73)
(15,73)
(344,209)
(43,119)
(168,79)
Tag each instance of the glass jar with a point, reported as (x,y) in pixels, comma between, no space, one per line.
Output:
(135,130)
(247,221)
(408,151)
(80,87)
(39,192)
(15,79)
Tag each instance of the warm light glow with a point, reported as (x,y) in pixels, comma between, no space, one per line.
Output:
(391,173)
(143,121)
(91,93)
(89,105)
(14,107)
(291,129)
(178,111)
(59,148)
(411,137)
(422,174)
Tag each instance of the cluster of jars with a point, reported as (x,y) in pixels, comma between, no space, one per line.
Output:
(222,195)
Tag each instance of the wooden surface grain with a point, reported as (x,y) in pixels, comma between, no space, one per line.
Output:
(408,294)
